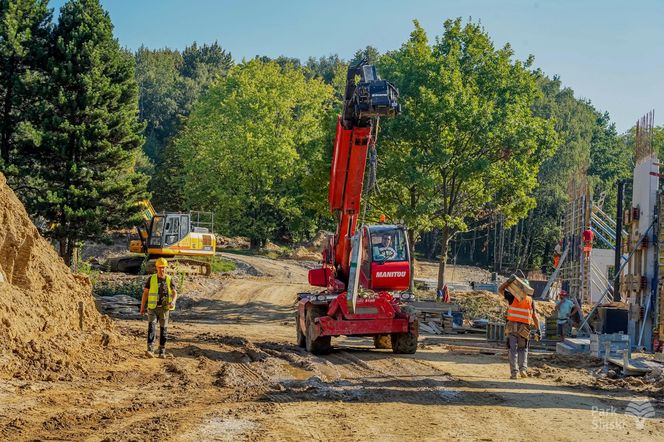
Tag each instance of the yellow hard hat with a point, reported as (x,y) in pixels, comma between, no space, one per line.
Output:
(161,262)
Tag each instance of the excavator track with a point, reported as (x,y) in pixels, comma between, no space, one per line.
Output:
(126,264)
(138,264)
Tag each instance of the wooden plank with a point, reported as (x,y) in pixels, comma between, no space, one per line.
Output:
(435,327)
(480,350)
(426,329)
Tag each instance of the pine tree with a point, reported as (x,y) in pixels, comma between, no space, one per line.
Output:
(92,135)
(24,31)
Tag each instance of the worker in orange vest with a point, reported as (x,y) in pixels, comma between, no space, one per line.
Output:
(520,315)
(557,251)
(588,237)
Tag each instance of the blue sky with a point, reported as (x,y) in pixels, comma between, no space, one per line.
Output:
(611,51)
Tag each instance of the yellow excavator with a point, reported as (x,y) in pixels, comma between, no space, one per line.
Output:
(186,239)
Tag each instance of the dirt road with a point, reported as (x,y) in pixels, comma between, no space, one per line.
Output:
(235,374)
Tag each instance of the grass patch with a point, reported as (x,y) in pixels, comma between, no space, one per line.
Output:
(85,268)
(222,265)
(133,288)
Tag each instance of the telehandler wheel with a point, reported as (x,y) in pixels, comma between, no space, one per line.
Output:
(301,339)
(322,344)
(382,341)
(405,343)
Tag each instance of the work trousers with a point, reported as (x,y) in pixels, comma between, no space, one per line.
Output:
(154,314)
(564,329)
(518,353)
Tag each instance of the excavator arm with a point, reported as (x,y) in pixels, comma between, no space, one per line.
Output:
(367,98)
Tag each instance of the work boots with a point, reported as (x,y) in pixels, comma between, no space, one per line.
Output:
(162,353)
(149,352)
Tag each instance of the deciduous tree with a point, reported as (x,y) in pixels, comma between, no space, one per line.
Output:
(467,131)
(251,149)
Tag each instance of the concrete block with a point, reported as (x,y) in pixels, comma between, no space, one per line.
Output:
(567,350)
(580,344)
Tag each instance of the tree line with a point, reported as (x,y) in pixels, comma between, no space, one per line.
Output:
(88,128)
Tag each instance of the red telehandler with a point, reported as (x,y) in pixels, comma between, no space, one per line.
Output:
(366,271)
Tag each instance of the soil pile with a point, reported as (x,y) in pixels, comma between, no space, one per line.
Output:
(492,306)
(48,316)
(586,371)
(310,250)
(236,242)
(454,273)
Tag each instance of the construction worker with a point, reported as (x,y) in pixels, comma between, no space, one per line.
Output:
(443,294)
(566,310)
(588,237)
(520,315)
(385,250)
(557,252)
(159,294)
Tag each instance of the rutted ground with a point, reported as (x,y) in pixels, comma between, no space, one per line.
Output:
(235,374)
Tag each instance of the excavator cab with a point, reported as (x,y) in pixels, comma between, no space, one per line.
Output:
(168,229)
(185,237)
(385,263)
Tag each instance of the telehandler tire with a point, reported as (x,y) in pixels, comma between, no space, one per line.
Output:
(301,339)
(405,343)
(321,345)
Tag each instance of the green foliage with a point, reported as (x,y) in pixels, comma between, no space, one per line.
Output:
(91,132)
(467,144)
(369,53)
(588,143)
(251,147)
(170,83)
(24,30)
(132,288)
(610,161)
(331,70)
(85,268)
(222,265)
(629,141)
(161,99)
(203,64)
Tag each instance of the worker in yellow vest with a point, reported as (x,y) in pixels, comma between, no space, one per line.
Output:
(159,295)
(520,315)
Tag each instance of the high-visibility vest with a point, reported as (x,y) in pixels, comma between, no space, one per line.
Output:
(153,293)
(520,311)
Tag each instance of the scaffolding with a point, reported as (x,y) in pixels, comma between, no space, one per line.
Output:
(575,269)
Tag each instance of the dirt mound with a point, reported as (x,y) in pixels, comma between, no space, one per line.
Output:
(492,306)
(586,371)
(455,273)
(317,244)
(236,242)
(48,315)
(303,254)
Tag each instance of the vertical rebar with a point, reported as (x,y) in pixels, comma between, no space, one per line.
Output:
(619,227)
